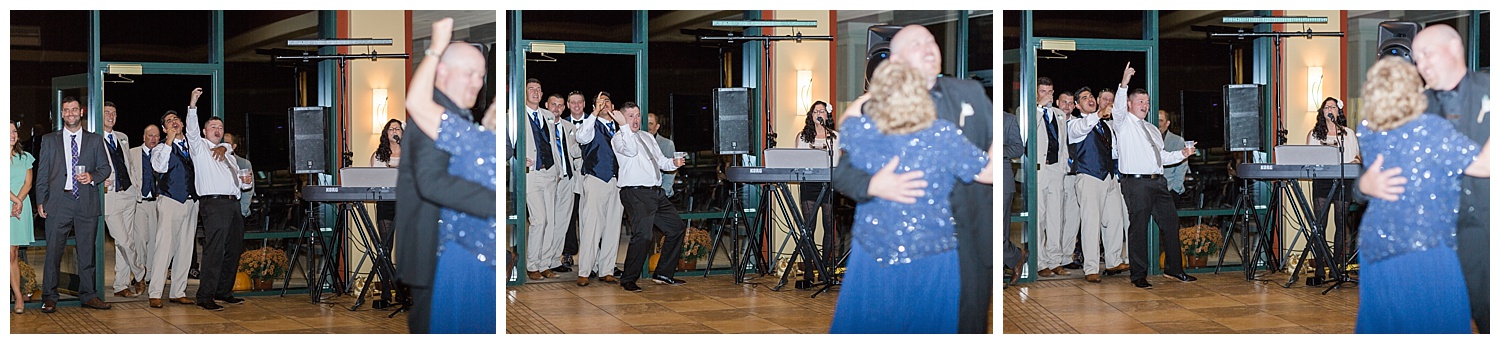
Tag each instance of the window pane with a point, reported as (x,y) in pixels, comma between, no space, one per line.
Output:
(44,45)
(1089,24)
(591,26)
(155,36)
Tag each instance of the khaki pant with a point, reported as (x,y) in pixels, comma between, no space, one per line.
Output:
(599,227)
(174,246)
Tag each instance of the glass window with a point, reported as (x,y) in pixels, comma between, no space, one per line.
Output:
(44,45)
(155,36)
(591,26)
(981,45)
(1089,24)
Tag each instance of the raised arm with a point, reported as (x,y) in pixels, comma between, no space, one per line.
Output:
(420,108)
(193,130)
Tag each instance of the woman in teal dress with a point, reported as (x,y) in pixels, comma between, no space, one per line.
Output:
(20,214)
(463,293)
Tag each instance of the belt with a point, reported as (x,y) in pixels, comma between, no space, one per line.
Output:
(1142,176)
(228,197)
(147,199)
(640,187)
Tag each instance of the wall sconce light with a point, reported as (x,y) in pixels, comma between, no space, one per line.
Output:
(1314,88)
(804,90)
(379,115)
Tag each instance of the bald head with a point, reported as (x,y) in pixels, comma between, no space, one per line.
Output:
(1439,53)
(460,73)
(916,47)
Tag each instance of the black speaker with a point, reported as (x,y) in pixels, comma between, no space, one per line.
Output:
(307,150)
(879,48)
(1242,117)
(1395,38)
(732,120)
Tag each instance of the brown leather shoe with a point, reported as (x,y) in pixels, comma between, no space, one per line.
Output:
(1015,275)
(96,303)
(140,287)
(126,293)
(549,274)
(609,279)
(1092,278)
(583,281)
(156,303)
(184,300)
(49,306)
(1121,267)
(1044,273)
(1061,271)
(534,276)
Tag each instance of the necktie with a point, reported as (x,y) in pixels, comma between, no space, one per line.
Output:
(563,151)
(646,149)
(1153,138)
(540,137)
(148,188)
(74,153)
(1051,137)
(117,159)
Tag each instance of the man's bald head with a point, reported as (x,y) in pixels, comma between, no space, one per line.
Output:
(1439,53)
(915,46)
(460,73)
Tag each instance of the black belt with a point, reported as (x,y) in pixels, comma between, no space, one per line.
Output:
(640,187)
(228,197)
(1142,176)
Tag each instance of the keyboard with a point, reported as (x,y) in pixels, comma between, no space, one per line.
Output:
(335,193)
(1272,171)
(749,174)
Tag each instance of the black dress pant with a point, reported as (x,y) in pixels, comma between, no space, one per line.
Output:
(224,241)
(58,223)
(645,209)
(973,214)
(570,241)
(1147,199)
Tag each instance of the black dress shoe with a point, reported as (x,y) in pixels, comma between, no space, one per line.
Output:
(1141,283)
(210,305)
(231,300)
(631,287)
(562,268)
(1182,277)
(659,279)
(49,306)
(1073,266)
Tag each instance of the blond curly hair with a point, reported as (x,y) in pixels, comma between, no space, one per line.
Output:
(899,103)
(1393,94)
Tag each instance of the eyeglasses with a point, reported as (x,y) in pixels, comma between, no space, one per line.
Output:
(1330,107)
(820,111)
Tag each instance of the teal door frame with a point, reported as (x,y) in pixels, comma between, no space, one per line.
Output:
(1149,44)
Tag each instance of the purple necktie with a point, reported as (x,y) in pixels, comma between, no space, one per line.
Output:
(75,163)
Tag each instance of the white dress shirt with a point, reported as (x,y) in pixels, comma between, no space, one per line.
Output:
(585,133)
(214,177)
(68,137)
(1138,143)
(637,165)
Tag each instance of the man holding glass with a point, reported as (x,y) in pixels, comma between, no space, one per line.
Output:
(219,183)
(71,166)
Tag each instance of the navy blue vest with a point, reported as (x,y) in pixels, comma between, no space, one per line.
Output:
(599,155)
(1092,156)
(178,182)
(148,175)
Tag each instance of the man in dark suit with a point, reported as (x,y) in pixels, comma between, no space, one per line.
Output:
(423,185)
(70,201)
(962,102)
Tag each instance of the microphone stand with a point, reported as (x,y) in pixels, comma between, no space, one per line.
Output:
(1339,273)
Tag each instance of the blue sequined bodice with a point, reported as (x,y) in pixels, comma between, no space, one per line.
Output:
(1432,157)
(472,150)
(896,233)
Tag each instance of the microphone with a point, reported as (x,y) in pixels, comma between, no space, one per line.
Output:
(822,121)
(396,138)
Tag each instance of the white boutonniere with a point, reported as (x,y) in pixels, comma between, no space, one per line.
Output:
(963,115)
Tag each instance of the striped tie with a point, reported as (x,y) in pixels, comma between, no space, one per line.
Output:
(75,163)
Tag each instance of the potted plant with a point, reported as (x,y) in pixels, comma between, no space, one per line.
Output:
(695,246)
(263,266)
(1199,242)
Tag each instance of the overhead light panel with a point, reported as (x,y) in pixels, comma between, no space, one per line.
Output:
(1276,20)
(338,42)
(775,23)
(131,69)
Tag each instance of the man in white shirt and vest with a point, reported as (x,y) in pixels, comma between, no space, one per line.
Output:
(119,211)
(1055,243)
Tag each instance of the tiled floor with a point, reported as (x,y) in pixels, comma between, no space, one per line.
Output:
(1222,303)
(704,305)
(259,314)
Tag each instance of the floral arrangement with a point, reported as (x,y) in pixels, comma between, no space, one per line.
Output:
(29,283)
(264,263)
(695,244)
(1201,240)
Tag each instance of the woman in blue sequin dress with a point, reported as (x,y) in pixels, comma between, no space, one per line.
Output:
(901,269)
(1410,280)
(463,295)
